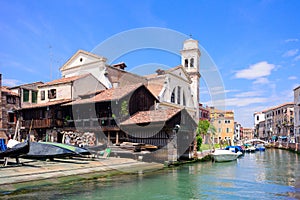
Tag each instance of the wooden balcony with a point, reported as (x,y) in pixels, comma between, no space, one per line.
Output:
(42,123)
(106,124)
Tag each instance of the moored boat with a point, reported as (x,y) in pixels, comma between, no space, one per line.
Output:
(16,150)
(77,150)
(222,155)
(40,150)
(236,149)
(260,147)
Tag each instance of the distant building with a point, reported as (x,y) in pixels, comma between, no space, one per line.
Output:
(224,124)
(9,105)
(297,113)
(204,113)
(248,133)
(237,132)
(279,121)
(258,117)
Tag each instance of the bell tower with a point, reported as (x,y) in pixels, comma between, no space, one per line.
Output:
(190,60)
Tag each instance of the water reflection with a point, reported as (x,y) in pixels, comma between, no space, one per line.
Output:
(262,175)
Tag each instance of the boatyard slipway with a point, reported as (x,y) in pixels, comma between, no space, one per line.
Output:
(36,173)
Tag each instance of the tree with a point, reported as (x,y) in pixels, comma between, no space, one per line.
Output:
(202,129)
(212,132)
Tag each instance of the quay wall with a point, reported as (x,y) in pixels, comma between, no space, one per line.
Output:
(286,145)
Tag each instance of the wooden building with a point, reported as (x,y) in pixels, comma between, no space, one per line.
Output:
(103,113)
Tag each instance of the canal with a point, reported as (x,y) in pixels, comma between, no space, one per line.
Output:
(273,174)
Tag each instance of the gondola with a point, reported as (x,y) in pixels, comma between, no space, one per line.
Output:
(77,150)
(40,150)
(16,151)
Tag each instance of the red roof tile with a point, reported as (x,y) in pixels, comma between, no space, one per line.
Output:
(108,95)
(64,80)
(151,116)
(6,90)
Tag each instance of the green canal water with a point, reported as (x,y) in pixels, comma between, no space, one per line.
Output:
(273,174)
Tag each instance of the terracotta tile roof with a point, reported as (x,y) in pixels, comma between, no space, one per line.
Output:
(6,90)
(108,95)
(49,103)
(155,89)
(28,85)
(151,116)
(64,80)
(279,106)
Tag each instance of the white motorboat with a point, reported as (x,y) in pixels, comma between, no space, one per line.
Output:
(222,155)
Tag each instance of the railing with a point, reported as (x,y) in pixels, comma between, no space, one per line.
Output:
(42,123)
(104,123)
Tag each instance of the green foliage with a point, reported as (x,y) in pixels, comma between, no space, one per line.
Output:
(199,142)
(124,108)
(203,126)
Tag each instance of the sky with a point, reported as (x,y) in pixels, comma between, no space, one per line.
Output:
(254,44)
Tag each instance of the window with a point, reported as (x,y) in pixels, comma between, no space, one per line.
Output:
(178,95)
(173,96)
(25,95)
(52,94)
(34,97)
(43,95)
(11,117)
(192,62)
(227,130)
(219,130)
(11,100)
(186,63)
(183,99)
(257,117)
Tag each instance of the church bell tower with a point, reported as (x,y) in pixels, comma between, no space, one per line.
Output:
(190,60)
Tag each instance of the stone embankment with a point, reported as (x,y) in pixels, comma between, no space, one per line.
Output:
(33,173)
(286,145)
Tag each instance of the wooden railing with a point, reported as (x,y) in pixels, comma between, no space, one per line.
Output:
(105,123)
(42,123)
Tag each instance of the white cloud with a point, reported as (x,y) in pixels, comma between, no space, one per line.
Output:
(297,58)
(238,102)
(290,53)
(249,94)
(11,82)
(255,71)
(292,40)
(292,78)
(262,81)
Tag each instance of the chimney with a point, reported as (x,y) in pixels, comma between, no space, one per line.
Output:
(160,72)
(121,66)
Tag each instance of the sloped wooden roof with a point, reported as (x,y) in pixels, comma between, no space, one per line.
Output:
(151,116)
(108,95)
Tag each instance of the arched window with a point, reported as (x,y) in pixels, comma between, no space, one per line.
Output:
(192,62)
(173,96)
(183,99)
(178,94)
(186,63)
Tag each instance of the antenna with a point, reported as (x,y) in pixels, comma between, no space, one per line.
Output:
(51,57)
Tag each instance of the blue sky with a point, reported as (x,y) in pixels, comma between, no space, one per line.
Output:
(255,44)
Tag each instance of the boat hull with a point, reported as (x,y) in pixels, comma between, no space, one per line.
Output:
(224,156)
(16,151)
(43,151)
